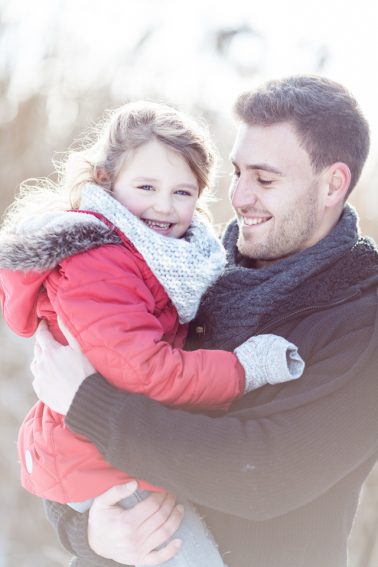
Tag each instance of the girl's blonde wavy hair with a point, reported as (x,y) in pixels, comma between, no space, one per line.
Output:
(101,154)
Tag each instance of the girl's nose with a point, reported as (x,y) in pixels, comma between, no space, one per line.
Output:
(163,204)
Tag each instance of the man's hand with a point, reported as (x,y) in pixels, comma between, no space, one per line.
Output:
(58,370)
(131,536)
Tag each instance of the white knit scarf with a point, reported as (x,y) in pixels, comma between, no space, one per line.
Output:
(186,267)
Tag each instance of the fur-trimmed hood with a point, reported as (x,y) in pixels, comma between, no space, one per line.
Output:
(30,252)
(42,243)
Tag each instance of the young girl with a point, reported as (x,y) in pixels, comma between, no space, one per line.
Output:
(119,255)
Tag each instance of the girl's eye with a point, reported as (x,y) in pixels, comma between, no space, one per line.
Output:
(146,187)
(183,193)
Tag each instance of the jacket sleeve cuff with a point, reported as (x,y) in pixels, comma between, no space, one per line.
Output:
(72,530)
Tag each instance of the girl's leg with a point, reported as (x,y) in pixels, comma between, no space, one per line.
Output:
(198,548)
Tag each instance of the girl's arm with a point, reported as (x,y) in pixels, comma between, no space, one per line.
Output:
(104,302)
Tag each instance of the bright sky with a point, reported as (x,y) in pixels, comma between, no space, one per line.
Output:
(96,44)
(291,30)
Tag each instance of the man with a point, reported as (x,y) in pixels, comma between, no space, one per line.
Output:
(277,478)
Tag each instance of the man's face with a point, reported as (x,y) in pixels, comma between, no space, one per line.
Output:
(277,197)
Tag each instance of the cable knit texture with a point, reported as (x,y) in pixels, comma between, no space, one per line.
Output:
(248,298)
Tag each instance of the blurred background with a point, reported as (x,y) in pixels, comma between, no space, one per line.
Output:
(63,62)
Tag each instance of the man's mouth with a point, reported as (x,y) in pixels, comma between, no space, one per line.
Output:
(254,221)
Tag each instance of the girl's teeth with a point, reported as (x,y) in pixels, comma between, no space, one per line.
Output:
(155,224)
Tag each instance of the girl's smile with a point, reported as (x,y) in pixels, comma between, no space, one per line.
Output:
(157,185)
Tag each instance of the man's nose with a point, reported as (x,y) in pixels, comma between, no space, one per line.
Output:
(243,195)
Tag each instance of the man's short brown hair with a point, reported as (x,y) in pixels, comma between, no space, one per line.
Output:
(325,115)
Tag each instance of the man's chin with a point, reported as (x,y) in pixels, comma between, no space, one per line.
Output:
(259,254)
(248,249)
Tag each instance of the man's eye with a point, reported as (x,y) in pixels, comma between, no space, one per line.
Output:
(265,182)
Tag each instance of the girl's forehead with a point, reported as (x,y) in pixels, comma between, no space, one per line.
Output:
(155,160)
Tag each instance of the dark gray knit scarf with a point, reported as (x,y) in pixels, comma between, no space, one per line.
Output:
(245,299)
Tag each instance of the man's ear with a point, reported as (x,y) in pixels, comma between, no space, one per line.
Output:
(338,178)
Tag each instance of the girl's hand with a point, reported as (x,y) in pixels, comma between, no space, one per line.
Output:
(132,536)
(58,370)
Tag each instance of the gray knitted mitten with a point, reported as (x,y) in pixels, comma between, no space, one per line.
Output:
(268,359)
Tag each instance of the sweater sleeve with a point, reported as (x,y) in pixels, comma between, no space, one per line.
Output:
(254,464)
(72,530)
(105,302)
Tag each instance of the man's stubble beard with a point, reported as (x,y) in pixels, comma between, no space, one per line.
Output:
(295,230)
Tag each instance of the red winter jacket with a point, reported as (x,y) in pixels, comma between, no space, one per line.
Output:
(126,325)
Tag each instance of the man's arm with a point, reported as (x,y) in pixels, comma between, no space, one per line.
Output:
(255,466)
(72,530)
(110,535)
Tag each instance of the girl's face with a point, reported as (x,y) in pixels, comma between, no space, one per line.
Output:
(157,185)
